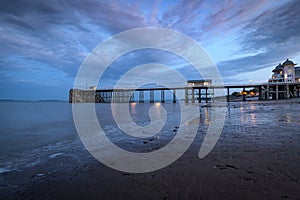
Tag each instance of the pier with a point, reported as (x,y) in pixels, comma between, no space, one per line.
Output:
(192,94)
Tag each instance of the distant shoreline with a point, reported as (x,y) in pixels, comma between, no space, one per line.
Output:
(14,100)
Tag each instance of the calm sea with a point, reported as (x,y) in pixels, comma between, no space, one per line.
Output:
(34,132)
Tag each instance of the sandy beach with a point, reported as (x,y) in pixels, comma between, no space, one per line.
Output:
(256,157)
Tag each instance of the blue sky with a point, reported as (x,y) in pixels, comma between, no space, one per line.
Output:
(43,43)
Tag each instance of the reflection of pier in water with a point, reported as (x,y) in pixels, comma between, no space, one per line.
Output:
(192,94)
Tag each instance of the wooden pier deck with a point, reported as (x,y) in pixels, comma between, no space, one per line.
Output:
(266,91)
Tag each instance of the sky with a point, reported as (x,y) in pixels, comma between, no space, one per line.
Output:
(43,43)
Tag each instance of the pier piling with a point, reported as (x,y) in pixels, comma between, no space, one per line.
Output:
(141,96)
(151,96)
(174,96)
(162,96)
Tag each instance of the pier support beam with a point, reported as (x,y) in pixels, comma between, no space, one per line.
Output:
(115,93)
(113,97)
(228,100)
(193,95)
(125,97)
(260,95)
(141,96)
(186,95)
(277,96)
(267,93)
(151,96)
(206,95)
(119,96)
(162,96)
(174,96)
(199,96)
(287,91)
(244,95)
(132,97)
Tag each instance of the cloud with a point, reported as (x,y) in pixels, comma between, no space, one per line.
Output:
(48,40)
(59,33)
(269,38)
(185,16)
(274,29)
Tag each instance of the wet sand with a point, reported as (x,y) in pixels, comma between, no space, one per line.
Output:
(256,157)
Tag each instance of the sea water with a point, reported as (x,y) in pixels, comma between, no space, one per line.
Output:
(32,133)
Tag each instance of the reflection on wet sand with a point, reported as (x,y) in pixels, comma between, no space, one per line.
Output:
(256,157)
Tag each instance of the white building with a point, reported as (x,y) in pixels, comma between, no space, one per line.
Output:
(285,73)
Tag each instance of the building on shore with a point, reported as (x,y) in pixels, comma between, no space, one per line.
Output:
(284,81)
(285,73)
